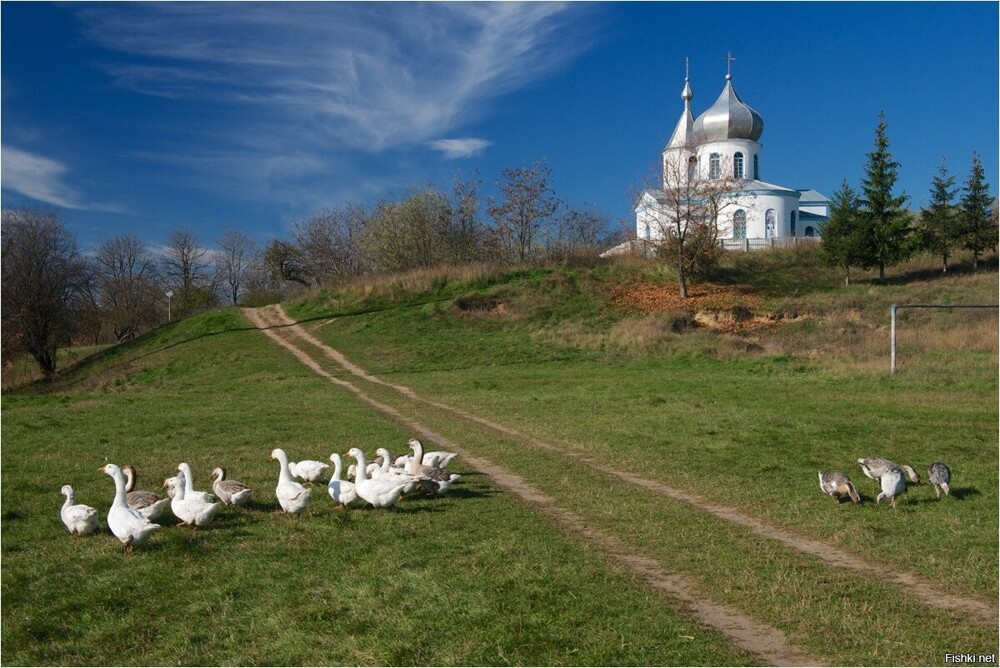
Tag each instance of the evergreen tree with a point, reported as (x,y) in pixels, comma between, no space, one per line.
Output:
(842,234)
(979,228)
(886,223)
(939,227)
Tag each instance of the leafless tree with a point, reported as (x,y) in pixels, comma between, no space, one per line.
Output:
(126,275)
(41,270)
(576,233)
(284,262)
(329,243)
(527,206)
(234,260)
(685,214)
(409,234)
(187,270)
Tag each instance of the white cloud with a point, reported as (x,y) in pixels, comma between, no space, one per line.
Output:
(366,76)
(39,178)
(459,148)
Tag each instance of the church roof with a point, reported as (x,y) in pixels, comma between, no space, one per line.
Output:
(684,132)
(728,118)
(813,196)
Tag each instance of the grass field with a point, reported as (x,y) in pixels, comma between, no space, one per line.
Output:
(743,419)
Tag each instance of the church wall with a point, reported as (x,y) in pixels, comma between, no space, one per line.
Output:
(756,207)
(726,150)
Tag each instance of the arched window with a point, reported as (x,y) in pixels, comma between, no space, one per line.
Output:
(740,224)
(810,232)
(648,232)
(793,224)
(756,167)
(692,167)
(738,166)
(713,166)
(770,221)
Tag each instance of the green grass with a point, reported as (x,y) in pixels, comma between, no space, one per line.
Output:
(476,577)
(471,578)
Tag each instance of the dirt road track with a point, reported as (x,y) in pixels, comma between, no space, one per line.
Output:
(763,640)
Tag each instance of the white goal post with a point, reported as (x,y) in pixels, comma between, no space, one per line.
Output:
(895,307)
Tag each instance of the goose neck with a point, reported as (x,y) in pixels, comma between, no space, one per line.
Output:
(362,474)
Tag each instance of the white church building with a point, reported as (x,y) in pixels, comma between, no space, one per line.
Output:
(723,145)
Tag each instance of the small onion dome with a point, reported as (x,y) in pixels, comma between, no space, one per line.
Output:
(729,118)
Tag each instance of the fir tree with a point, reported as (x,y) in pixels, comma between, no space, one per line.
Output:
(886,223)
(979,228)
(939,227)
(842,233)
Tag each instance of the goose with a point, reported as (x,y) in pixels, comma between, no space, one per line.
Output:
(230,492)
(190,512)
(379,493)
(125,523)
(893,484)
(188,479)
(387,472)
(292,497)
(149,504)
(370,469)
(437,476)
(342,491)
(439,459)
(940,475)
(79,519)
(308,469)
(875,467)
(837,484)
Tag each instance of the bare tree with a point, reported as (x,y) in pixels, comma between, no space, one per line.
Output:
(187,271)
(285,262)
(527,206)
(409,234)
(329,243)
(41,268)
(234,261)
(576,233)
(685,216)
(126,276)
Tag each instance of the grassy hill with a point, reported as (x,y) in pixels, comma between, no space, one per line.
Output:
(772,372)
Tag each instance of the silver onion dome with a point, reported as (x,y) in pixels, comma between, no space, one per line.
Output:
(728,118)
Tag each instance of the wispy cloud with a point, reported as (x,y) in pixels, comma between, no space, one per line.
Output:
(39,178)
(459,148)
(365,76)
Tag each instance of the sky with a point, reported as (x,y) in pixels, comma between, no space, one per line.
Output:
(148,117)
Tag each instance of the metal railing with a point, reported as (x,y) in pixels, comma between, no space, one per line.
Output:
(758,243)
(896,307)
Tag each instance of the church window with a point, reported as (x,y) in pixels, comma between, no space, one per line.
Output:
(770,220)
(740,224)
(810,232)
(793,224)
(713,166)
(692,167)
(738,166)
(648,232)
(756,167)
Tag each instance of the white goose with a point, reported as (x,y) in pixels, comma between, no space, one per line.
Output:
(126,524)
(190,512)
(442,480)
(342,491)
(188,479)
(79,519)
(292,497)
(386,472)
(379,493)
(230,492)
(438,458)
(309,470)
(149,504)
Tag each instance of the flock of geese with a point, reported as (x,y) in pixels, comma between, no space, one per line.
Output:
(889,476)
(381,484)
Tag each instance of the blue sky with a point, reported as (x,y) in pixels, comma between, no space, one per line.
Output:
(147,117)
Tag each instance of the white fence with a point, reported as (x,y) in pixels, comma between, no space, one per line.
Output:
(759,243)
(892,327)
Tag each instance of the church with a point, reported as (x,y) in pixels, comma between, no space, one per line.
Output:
(721,149)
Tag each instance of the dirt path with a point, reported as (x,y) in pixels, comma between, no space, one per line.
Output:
(763,640)
(979,610)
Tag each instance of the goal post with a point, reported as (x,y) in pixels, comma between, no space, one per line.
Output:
(896,307)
